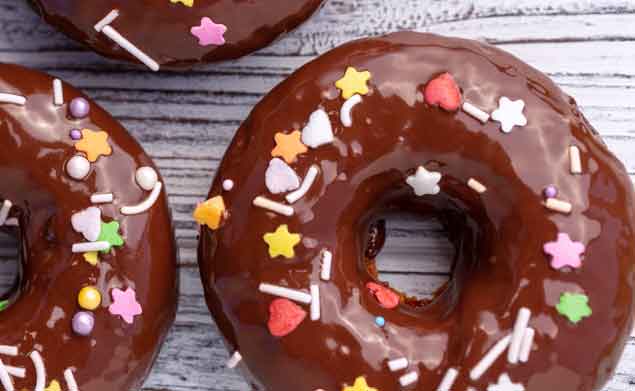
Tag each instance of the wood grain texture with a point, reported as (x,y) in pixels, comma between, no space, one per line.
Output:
(186,120)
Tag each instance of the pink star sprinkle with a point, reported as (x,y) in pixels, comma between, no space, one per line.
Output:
(125,304)
(209,33)
(564,252)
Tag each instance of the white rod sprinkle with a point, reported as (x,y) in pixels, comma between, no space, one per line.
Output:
(558,205)
(13,99)
(5,378)
(4,211)
(70,380)
(146,204)
(310,177)
(315,302)
(102,198)
(15,371)
(475,112)
(526,345)
(58,92)
(8,350)
(398,364)
(408,379)
(448,380)
(86,247)
(574,158)
(522,321)
(327,259)
(235,359)
(12,222)
(291,294)
(347,108)
(273,206)
(476,186)
(40,371)
(489,358)
(108,19)
(130,48)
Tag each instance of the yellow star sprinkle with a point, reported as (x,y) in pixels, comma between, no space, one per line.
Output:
(288,146)
(281,242)
(53,386)
(93,144)
(360,385)
(91,257)
(188,3)
(353,82)
(210,212)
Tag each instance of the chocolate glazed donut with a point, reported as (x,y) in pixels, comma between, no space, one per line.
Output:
(539,211)
(175,32)
(97,290)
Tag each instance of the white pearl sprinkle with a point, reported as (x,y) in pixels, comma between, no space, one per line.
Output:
(146,178)
(228,184)
(78,167)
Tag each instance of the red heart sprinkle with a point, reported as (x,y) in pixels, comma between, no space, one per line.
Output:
(444,92)
(284,317)
(386,297)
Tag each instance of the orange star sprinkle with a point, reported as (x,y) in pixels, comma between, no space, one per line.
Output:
(288,146)
(210,212)
(93,144)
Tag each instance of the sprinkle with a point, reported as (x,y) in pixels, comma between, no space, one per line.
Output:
(235,359)
(228,184)
(281,242)
(210,212)
(315,302)
(424,182)
(310,177)
(360,385)
(386,297)
(522,321)
(347,108)
(88,223)
(291,294)
(273,206)
(380,321)
(75,134)
(89,298)
(550,191)
(4,304)
(70,380)
(408,379)
(102,198)
(288,146)
(526,345)
(146,178)
(103,26)
(83,323)
(5,378)
(353,82)
(8,350)
(284,317)
(40,371)
(94,144)
(489,359)
(564,252)
(4,211)
(280,178)
(209,33)
(13,99)
(85,247)
(92,257)
(79,108)
(505,384)
(442,91)
(187,3)
(574,157)
(146,204)
(125,304)
(15,371)
(448,380)
(558,205)
(110,234)
(509,114)
(54,385)
(398,364)
(12,222)
(78,167)
(318,131)
(475,112)
(574,306)
(327,259)
(476,186)
(58,92)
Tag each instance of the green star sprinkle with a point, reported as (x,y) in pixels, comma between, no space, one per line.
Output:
(4,304)
(574,306)
(110,233)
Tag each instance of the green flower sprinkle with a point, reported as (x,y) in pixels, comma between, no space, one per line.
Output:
(110,233)
(574,306)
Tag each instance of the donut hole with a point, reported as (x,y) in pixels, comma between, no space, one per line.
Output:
(9,266)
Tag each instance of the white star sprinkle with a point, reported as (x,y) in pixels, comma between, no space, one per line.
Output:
(505,384)
(424,181)
(510,113)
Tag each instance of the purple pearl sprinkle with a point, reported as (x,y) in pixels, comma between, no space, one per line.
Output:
(76,134)
(83,323)
(79,108)
(551,191)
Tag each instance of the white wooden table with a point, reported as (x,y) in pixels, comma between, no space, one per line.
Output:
(186,120)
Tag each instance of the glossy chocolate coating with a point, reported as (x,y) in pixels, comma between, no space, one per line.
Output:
(161,28)
(34,150)
(498,235)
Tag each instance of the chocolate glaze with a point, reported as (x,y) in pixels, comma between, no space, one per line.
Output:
(500,264)
(35,148)
(161,28)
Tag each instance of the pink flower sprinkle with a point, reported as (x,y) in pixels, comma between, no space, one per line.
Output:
(209,33)
(564,252)
(125,304)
